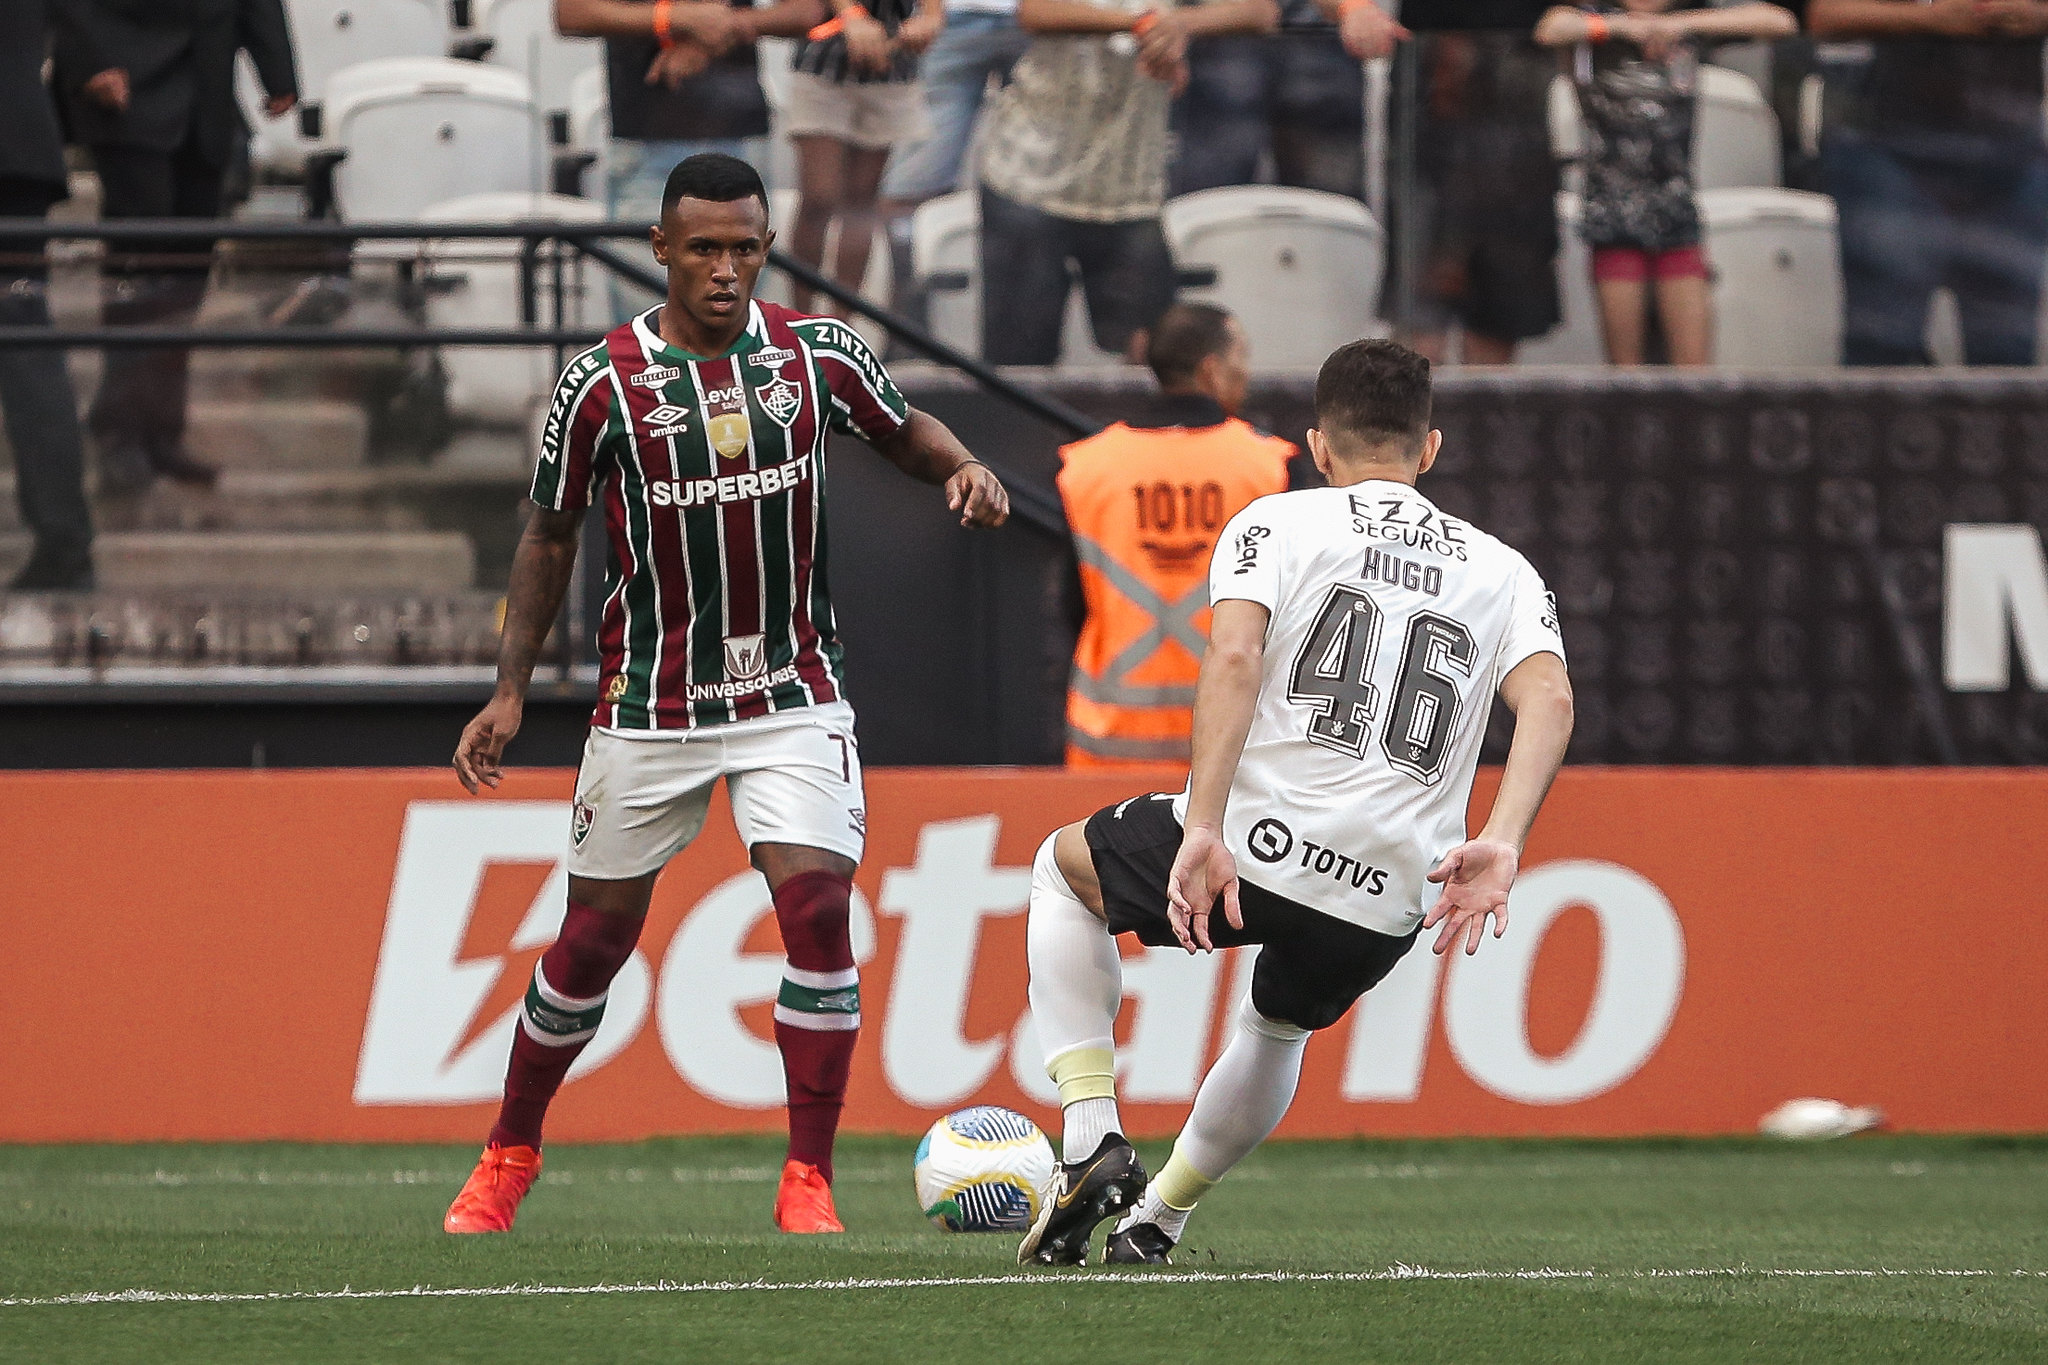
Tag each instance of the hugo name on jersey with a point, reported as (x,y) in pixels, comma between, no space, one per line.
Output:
(712,476)
(1392,627)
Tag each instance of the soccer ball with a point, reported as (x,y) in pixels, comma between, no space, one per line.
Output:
(984,1169)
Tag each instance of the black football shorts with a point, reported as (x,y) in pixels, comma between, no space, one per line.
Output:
(1312,966)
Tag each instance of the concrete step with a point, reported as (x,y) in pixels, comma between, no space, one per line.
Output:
(166,636)
(326,562)
(295,433)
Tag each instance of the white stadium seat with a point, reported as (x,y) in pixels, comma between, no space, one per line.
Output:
(1736,139)
(415,131)
(1299,268)
(1777,283)
(328,35)
(1777,267)
(475,283)
(1735,133)
(524,40)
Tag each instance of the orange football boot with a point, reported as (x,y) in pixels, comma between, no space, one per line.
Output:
(803,1202)
(490,1198)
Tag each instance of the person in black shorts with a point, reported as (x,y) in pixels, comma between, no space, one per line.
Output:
(1342,702)
(1313,967)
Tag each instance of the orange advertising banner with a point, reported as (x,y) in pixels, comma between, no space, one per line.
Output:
(339,955)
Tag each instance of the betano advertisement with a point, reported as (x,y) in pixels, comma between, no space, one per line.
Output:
(338,955)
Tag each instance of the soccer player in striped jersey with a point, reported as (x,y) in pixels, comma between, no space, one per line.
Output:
(700,428)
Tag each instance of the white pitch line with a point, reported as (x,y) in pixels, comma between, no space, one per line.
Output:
(1393,1272)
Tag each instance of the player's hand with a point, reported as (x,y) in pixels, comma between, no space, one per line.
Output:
(1369,32)
(674,65)
(978,496)
(867,43)
(1203,872)
(109,89)
(1476,877)
(478,755)
(921,29)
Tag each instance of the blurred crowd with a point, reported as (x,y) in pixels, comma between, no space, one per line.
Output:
(1069,125)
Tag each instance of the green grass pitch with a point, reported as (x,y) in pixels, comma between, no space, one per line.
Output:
(1871,1249)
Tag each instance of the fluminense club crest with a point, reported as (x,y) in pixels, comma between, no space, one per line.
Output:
(781,400)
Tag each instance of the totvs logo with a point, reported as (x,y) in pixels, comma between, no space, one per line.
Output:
(424,1044)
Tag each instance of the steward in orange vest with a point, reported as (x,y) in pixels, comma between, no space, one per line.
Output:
(1145,504)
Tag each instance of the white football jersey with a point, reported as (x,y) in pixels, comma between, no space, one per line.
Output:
(1392,627)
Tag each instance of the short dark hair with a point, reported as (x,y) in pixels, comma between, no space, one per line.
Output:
(1186,335)
(1375,391)
(715,178)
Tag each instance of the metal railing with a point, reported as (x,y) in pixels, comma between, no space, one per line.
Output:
(22,241)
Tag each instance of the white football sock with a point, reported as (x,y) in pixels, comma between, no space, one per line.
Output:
(1241,1102)
(1077,986)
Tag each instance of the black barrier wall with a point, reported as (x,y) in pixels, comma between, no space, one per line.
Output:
(1720,546)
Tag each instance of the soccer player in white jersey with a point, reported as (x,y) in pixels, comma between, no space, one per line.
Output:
(700,426)
(1359,635)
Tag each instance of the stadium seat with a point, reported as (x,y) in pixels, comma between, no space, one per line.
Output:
(1300,268)
(328,35)
(1777,278)
(406,132)
(523,39)
(1735,136)
(475,283)
(945,254)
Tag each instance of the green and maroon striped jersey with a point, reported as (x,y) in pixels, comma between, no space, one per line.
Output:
(712,475)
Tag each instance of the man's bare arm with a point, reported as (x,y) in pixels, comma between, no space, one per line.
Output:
(1893,19)
(1226,696)
(541,569)
(1478,874)
(927,450)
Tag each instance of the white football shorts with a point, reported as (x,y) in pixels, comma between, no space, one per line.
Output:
(641,796)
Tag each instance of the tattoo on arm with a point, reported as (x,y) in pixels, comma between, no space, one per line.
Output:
(541,570)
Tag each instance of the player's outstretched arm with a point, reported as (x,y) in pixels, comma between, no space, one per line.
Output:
(1225,697)
(1478,874)
(541,568)
(927,450)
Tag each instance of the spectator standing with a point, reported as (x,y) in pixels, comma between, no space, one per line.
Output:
(1146,502)
(1298,96)
(853,95)
(1073,168)
(1472,241)
(1636,68)
(979,44)
(1939,176)
(35,390)
(149,87)
(683,77)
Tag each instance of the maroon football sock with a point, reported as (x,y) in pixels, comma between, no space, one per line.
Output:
(560,1017)
(817,1014)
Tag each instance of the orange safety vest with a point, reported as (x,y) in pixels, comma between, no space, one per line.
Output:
(1146,506)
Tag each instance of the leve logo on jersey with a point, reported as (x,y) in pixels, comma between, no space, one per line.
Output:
(654,376)
(667,420)
(725,420)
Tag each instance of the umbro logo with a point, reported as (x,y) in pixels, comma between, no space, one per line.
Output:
(840,1002)
(654,376)
(667,420)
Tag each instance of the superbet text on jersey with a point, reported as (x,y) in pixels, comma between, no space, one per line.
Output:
(712,475)
(1392,627)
